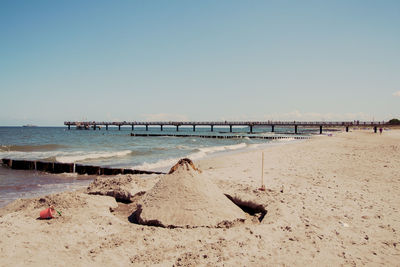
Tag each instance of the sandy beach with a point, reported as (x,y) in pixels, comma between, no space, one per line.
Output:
(329,201)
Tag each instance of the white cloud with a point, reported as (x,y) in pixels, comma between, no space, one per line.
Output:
(297,115)
(316,116)
(164,117)
(396,93)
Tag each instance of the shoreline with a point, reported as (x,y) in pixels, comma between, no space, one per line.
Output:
(331,200)
(68,178)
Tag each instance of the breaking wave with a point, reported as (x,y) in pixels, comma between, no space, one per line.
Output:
(92,155)
(67,157)
(30,148)
(198,154)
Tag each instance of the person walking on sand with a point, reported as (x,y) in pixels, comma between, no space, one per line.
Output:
(380,130)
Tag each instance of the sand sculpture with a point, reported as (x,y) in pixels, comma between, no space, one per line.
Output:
(186,198)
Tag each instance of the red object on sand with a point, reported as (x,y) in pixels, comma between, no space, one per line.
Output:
(47,213)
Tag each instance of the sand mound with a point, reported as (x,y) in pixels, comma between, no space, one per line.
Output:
(186,198)
(74,206)
(122,188)
(184,163)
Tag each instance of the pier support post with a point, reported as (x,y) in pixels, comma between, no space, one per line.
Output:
(147,127)
(119,127)
(347,129)
(133,127)
(230,128)
(212,128)
(273,128)
(375,129)
(94,127)
(69,126)
(177,128)
(194,128)
(320,129)
(107,127)
(295,129)
(161,127)
(251,128)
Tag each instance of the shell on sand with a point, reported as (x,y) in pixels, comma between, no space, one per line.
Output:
(186,198)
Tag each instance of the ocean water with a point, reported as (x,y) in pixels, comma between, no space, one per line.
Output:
(112,148)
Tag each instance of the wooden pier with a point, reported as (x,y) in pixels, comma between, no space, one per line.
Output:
(250,124)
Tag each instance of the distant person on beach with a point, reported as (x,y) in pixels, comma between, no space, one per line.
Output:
(380,130)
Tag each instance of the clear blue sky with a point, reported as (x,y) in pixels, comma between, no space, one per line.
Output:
(198,60)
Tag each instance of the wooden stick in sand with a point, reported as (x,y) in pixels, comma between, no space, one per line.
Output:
(262,188)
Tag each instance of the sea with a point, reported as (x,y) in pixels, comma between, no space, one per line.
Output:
(112,148)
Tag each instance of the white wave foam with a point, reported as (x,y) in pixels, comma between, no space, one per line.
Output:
(88,156)
(64,156)
(222,148)
(182,147)
(29,155)
(201,153)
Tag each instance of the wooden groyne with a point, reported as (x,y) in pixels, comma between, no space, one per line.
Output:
(250,124)
(58,167)
(221,136)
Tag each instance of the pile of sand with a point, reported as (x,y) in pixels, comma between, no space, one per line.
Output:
(122,187)
(186,198)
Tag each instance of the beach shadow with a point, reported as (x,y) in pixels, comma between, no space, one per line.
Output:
(43,219)
(135,218)
(250,207)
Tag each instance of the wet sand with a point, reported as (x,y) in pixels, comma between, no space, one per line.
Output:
(330,201)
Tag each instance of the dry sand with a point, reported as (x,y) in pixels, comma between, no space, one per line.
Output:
(330,201)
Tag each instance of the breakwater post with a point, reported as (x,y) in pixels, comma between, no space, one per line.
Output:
(58,167)
(221,136)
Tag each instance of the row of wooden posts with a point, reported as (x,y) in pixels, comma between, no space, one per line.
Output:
(58,167)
